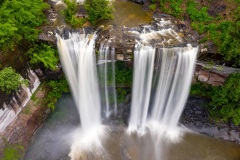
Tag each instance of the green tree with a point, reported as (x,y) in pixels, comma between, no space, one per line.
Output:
(43,54)
(226,100)
(19,20)
(229,39)
(10,80)
(70,14)
(56,89)
(98,10)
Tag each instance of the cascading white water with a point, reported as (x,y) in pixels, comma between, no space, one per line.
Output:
(77,57)
(106,65)
(143,69)
(173,69)
(162,77)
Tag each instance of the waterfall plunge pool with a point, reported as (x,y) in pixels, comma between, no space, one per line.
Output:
(52,142)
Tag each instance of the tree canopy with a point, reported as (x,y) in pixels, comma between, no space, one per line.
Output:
(43,54)
(98,10)
(10,80)
(19,20)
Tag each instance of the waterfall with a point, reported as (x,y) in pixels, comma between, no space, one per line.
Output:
(106,66)
(163,77)
(143,69)
(77,56)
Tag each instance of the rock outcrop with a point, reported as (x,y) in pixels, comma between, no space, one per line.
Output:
(196,118)
(214,75)
(11,108)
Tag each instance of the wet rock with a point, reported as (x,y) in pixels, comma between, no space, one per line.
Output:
(216,79)
(214,75)
(217,9)
(203,76)
(139,1)
(196,118)
(164,31)
(47,33)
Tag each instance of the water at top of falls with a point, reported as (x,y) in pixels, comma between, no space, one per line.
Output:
(162,78)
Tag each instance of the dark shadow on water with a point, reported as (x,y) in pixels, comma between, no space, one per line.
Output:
(52,141)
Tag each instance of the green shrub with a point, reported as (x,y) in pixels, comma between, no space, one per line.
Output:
(225,102)
(198,26)
(124,74)
(121,95)
(153,7)
(13,152)
(175,5)
(201,89)
(10,80)
(199,15)
(43,54)
(70,14)
(57,88)
(77,22)
(229,45)
(98,10)
(19,20)
(172,7)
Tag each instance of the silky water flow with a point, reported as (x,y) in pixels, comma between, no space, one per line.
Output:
(161,82)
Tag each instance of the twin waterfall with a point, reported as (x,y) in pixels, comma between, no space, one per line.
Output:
(162,78)
(161,81)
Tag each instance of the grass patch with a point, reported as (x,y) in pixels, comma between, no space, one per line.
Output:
(27,110)
(12,151)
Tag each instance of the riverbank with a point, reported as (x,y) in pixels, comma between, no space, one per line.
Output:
(24,126)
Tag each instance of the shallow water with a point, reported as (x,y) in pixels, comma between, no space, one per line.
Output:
(53,141)
(128,14)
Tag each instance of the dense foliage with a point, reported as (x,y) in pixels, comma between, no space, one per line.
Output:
(98,10)
(124,77)
(19,20)
(56,88)
(225,100)
(124,74)
(229,43)
(13,152)
(43,54)
(10,80)
(70,14)
(222,31)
